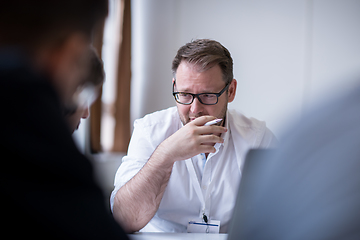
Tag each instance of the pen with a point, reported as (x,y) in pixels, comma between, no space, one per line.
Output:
(213,122)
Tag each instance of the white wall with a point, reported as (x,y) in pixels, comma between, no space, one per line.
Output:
(287,54)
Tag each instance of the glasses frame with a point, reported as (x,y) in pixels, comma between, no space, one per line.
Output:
(199,94)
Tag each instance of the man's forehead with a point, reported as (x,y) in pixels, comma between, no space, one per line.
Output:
(189,77)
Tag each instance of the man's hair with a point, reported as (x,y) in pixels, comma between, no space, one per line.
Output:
(205,53)
(96,73)
(32,24)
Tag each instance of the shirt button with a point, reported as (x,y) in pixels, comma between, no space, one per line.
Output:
(204,187)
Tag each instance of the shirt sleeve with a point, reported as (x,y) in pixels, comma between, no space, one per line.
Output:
(269,140)
(141,147)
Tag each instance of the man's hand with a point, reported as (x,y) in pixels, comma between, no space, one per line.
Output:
(192,139)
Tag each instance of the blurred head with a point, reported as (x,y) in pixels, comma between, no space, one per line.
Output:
(203,66)
(54,35)
(87,93)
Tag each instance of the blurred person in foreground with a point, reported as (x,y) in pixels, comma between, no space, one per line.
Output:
(311,188)
(87,92)
(47,185)
(179,171)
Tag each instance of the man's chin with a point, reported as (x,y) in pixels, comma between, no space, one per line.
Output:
(77,127)
(185,121)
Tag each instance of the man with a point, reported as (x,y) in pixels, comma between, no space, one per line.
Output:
(47,185)
(86,93)
(310,189)
(178,170)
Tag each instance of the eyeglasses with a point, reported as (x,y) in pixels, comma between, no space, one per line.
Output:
(204,98)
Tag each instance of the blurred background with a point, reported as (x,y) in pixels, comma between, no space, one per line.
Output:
(288,56)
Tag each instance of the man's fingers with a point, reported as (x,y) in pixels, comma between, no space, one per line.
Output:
(200,121)
(207,149)
(210,139)
(213,129)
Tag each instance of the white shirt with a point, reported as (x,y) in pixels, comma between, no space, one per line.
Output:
(197,186)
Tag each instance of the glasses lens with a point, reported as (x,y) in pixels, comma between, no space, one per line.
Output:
(184,98)
(208,98)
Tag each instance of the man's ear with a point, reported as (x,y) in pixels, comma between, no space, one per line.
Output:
(172,84)
(232,90)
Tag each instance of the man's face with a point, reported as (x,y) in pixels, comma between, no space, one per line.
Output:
(83,109)
(190,80)
(70,65)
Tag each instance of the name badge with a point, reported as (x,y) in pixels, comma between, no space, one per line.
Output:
(199,226)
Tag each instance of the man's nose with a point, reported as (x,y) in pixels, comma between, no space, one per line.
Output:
(196,106)
(86,113)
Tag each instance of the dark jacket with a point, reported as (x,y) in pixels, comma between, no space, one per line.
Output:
(47,185)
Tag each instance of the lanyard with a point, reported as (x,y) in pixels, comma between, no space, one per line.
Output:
(205,201)
(196,183)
